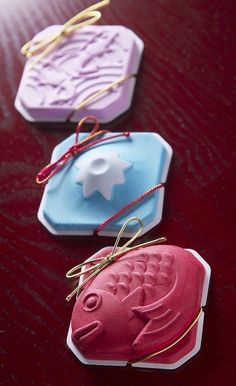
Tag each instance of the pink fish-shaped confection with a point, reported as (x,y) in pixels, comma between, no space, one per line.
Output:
(140,304)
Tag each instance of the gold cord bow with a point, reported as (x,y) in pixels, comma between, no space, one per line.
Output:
(84,18)
(103,262)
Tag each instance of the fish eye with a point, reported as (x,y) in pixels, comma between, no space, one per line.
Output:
(92,301)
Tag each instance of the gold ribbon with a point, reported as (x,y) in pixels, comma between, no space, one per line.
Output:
(104,261)
(99,93)
(44,46)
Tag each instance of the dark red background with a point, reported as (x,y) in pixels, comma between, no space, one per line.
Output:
(185,92)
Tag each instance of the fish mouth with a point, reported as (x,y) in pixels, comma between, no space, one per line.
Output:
(84,335)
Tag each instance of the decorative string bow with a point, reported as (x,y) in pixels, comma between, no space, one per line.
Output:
(44,46)
(103,262)
(79,146)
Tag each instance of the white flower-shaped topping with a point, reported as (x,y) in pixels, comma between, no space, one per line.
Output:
(100,172)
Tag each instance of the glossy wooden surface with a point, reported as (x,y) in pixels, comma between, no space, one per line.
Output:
(185,92)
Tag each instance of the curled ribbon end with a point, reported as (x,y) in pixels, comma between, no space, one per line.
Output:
(38,181)
(162,240)
(42,177)
(45,174)
(84,18)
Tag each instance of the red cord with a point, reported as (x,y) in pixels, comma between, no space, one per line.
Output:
(79,146)
(128,206)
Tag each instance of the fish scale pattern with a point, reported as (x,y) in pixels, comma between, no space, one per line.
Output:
(146,270)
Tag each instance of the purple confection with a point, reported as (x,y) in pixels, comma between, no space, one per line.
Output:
(87,61)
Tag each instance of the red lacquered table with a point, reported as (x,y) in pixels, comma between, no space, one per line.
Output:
(184,92)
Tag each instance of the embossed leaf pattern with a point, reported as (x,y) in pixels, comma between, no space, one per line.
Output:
(89,61)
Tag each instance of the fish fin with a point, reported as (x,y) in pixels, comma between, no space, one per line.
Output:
(156,326)
(134,297)
(146,312)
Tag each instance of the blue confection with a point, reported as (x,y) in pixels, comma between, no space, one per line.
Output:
(64,208)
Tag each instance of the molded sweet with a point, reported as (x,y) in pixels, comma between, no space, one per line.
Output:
(99,182)
(140,304)
(82,64)
(101,173)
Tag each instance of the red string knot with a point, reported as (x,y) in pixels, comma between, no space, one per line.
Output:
(92,139)
(74,149)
